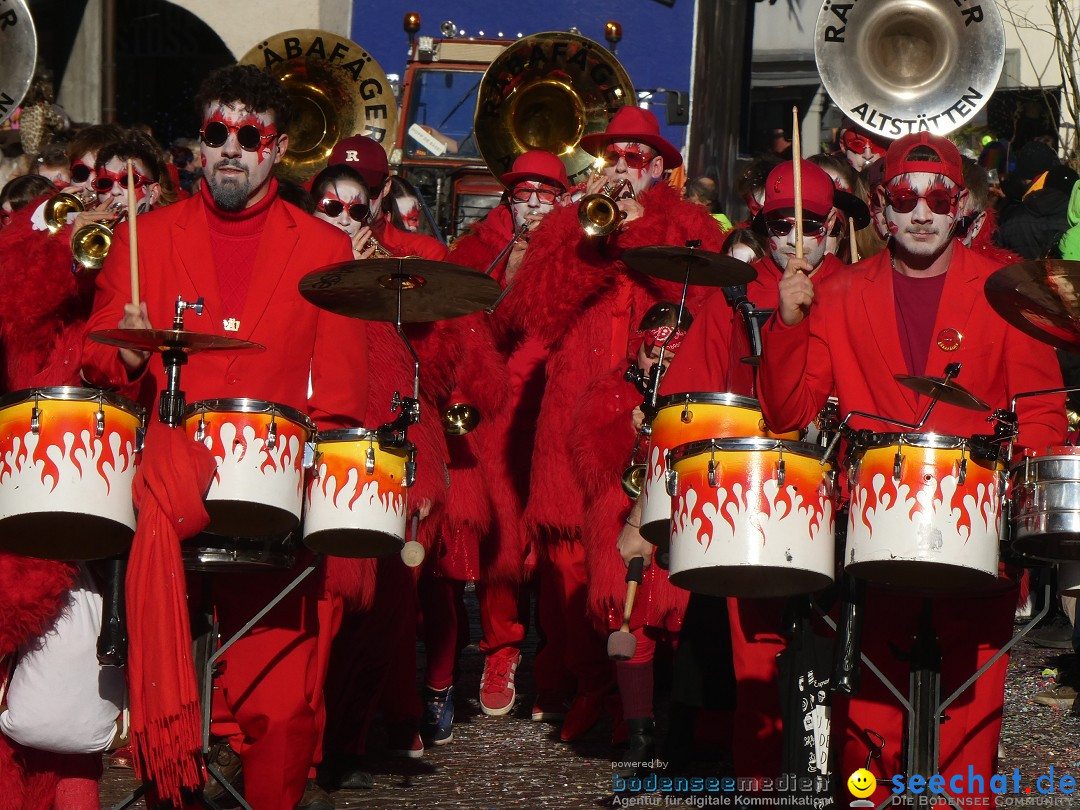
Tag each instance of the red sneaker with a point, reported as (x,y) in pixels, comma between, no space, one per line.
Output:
(404,741)
(497,690)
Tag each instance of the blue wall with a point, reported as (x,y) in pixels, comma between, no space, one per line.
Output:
(655,49)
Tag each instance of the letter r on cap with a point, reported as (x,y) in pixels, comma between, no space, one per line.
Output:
(351,155)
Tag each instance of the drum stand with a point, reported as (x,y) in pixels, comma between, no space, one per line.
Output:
(924,707)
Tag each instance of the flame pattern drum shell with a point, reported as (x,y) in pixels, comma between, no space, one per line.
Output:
(349,511)
(681,419)
(1046,504)
(936,526)
(65,491)
(258,488)
(759,528)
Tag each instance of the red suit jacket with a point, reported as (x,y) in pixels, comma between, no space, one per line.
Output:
(175,259)
(575,295)
(849,345)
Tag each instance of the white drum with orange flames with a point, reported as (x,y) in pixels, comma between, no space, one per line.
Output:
(751,517)
(925,512)
(258,487)
(67,461)
(681,419)
(356,500)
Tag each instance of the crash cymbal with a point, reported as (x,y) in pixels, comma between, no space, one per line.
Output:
(430,291)
(163,340)
(1041,298)
(707,269)
(948,392)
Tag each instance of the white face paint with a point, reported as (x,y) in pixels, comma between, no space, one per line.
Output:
(815,241)
(921,232)
(347,193)
(647,169)
(146,193)
(526,204)
(238,178)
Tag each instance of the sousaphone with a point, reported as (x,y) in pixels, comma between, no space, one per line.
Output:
(18,55)
(901,66)
(547,91)
(337,90)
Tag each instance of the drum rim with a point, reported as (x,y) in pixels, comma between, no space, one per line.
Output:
(743,443)
(73,393)
(356,434)
(933,441)
(249,405)
(708,398)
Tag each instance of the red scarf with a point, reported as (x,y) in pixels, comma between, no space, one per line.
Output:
(166,734)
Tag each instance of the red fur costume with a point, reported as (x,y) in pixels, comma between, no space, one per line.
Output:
(41,336)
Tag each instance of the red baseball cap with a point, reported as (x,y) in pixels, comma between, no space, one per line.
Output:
(537,165)
(633,125)
(364,155)
(817,189)
(949,162)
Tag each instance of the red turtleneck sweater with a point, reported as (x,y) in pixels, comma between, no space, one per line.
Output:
(234,239)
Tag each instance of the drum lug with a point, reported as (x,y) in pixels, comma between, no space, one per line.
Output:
(271,434)
(99,422)
(781,473)
(410,473)
(35,419)
(369,460)
(712,472)
(140,438)
(311,457)
(200,431)
(898,465)
(687,415)
(962,474)
(671,482)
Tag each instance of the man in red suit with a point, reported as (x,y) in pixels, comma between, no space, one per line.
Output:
(575,294)
(535,186)
(913,309)
(710,359)
(242,250)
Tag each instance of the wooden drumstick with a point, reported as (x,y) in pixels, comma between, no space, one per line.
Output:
(851,240)
(412,551)
(621,644)
(796,162)
(132,233)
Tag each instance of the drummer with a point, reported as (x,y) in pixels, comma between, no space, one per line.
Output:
(911,310)
(241,250)
(710,360)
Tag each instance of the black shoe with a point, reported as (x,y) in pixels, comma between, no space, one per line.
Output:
(640,751)
(315,798)
(1055,633)
(227,763)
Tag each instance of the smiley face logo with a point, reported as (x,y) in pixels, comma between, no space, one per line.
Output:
(862,784)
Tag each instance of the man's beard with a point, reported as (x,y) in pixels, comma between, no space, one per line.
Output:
(230,194)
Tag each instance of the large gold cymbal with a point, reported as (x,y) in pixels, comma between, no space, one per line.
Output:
(706,268)
(546,91)
(337,90)
(943,391)
(1040,298)
(163,340)
(430,291)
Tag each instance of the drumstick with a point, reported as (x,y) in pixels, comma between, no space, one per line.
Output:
(133,234)
(621,644)
(796,162)
(412,551)
(851,240)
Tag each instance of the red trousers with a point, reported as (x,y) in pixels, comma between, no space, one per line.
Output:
(970,630)
(267,698)
(500,616)
(573,646)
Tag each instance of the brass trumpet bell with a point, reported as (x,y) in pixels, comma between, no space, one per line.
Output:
(90,244)
(57,208)
(547,91)
(460,418)
(599,215)
(633,480)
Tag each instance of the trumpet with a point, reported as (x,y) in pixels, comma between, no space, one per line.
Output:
(380,251)
(599,214)
(633,476)
(460,418)
(91,243)
(58,207)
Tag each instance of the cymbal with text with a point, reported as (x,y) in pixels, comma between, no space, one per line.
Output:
(163,340)
(1040,298)
(706,268)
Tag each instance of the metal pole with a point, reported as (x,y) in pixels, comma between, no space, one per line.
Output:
(108,62)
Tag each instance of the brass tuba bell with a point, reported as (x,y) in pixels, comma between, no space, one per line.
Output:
(57,208)
(460,418)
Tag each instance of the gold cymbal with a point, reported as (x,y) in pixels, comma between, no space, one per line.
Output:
(163,340)
(1040,298)
(707,269)
(430,291)
(948,392)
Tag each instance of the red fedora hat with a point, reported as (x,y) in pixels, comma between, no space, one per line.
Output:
(633,125)
(537,165)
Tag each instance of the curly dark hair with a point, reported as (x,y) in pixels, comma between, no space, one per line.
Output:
(136,145)
(254,88)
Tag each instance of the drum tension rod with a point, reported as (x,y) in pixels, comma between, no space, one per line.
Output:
(712,471)
(898,464)
(99,420)
(35,419)
(781,469)
(369,460)
(271,434)
(961,475)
